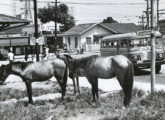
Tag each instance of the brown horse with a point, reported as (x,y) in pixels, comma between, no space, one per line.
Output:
(37,72)
(78,73)
(105,67)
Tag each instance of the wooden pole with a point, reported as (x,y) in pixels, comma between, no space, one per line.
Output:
(158,14)
(148,15)
(36,29)
(55,29)
(143,21)
(153,56)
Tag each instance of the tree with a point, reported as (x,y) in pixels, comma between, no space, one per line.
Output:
(109,20)
(63,16)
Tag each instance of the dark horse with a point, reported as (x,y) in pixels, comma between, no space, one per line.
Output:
(37,72)
(78,73)
(105,67)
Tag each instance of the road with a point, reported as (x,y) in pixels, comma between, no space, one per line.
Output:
(141,80)
(144,76)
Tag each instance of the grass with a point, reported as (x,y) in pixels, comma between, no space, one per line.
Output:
(143,106)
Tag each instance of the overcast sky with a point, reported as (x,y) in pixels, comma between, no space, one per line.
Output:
(92,11)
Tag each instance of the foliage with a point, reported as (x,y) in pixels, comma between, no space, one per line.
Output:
(109,20)
(63,16)
(143,106)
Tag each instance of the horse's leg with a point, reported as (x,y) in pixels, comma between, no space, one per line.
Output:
(125,79)
(29,91)
(78,87)
(96,88)
(73,79)
(62,85)
(90,79)
(62,88)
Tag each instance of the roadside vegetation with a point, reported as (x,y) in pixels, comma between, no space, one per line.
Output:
(143,106)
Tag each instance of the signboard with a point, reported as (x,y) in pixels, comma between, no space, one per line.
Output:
(14,41)
(19,41)
(4,42)
(40,41)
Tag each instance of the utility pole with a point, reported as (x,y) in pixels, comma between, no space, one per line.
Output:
(153,56)
(142,21)
(55,29)
(36,28)
(158,14)
(147,15)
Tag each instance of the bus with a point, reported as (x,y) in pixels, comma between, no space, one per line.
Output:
(135,46)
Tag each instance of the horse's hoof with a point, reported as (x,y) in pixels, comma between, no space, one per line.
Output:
(93,100)
(31,102)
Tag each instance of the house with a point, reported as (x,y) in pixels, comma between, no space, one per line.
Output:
(88,36)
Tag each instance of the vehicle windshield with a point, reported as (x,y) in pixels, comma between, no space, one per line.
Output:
(146,42)
(135,43)
(139,42)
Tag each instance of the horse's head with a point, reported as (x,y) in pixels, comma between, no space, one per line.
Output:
(71,65)
(3,74)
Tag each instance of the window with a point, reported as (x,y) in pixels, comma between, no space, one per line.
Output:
(123,43)
(76,42)
(107,44)
(88,40)
(96,40)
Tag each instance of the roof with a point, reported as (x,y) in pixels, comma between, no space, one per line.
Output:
(8,22)
(132,35)
(10,19)
(78,29)
(120,36)
(113,27)
(122,27)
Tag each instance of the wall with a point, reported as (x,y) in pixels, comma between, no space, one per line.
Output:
(72,40)
(97,30)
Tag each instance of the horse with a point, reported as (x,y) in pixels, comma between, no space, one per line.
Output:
(105,67)
(78,73)
(37,72)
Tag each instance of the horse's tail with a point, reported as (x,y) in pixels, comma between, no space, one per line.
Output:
(128,84)
(65,78)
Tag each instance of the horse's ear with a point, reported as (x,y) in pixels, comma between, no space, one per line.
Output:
(58,56)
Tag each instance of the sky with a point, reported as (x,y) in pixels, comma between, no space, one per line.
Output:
(93,11)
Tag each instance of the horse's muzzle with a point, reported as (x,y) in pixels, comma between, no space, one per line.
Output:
(1,83)
(71,76)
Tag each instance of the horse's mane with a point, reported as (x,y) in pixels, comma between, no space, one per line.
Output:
(23,65)
(64,59)
(82,62)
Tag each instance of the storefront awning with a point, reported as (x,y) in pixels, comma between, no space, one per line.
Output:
(9,22)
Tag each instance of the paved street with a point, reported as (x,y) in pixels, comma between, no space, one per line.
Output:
(142,80)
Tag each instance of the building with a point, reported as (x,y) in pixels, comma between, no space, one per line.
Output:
(11,36)
(88,36)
